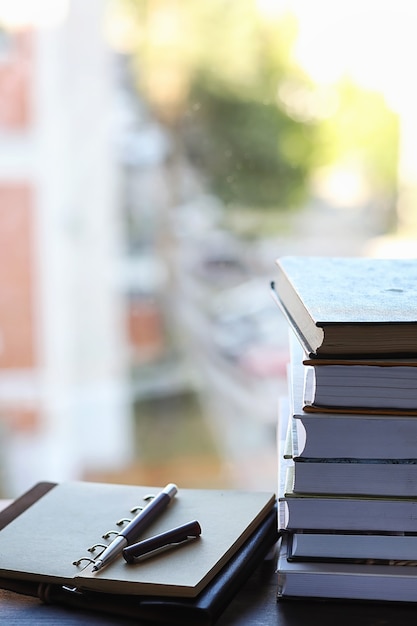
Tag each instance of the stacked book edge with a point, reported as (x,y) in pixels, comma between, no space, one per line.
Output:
(348,431)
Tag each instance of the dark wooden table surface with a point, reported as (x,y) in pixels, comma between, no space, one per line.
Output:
(254,605)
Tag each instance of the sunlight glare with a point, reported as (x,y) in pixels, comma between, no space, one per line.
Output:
(371,42)
(18,14)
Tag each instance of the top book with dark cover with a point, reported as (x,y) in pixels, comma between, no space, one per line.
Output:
(344,306)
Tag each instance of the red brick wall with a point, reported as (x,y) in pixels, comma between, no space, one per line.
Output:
(15,66)
(20,418)
(145,330)
(17,344)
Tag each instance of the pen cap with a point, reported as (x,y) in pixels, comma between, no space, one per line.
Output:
(170,538)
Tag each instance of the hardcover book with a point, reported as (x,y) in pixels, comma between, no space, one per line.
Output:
(330,580)
(361,388)
(350,476)
(345,547)
(362,513)
(337,434)
(350,306)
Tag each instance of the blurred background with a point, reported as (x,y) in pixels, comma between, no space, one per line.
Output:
(156,157)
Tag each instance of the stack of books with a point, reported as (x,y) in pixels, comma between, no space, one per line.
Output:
(348,465)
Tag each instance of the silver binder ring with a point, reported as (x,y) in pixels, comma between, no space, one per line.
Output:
(95,546)
(84,558)
(124,520)
(109,533)
(147,498)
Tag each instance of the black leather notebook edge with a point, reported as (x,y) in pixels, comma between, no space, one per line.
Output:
(24,502)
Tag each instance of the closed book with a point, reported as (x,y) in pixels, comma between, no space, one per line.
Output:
(337,434)
(381,477)
(341,306)
(361,388)
(349,476)
(342,546)
(345,512)
(349,581)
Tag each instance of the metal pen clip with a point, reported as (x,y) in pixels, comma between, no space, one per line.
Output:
(164,541)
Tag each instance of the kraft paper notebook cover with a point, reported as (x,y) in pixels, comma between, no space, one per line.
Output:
(148,597)
(340,306)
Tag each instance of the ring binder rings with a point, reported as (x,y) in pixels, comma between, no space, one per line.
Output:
(120,522)
(82,559)
(136,509)
(109,533)
(136,526)
(124,520)
(97,545)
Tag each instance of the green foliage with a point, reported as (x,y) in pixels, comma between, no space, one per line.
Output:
(214,70)
(250,150)
(252,153)
(365,130)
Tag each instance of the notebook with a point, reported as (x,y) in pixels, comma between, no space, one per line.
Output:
(43,542)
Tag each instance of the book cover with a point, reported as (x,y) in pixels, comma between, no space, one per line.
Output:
(358,547)
(350,306)
(361,388)
(329,580)
(347,476)
(362,513)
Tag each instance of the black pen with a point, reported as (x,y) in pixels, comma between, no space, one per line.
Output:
(163,541)
(138,524)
